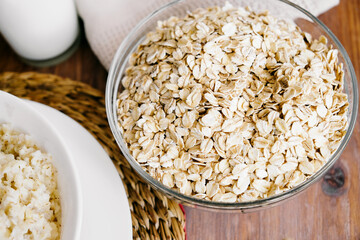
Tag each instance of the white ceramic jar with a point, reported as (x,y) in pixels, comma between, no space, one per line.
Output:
(39,29)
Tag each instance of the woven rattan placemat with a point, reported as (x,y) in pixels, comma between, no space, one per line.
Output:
(153,215)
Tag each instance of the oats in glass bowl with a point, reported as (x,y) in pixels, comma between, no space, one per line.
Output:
(230,105)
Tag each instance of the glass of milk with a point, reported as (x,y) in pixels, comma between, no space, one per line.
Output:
(42,32)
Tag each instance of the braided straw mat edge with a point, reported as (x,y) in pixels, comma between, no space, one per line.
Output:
(153,215)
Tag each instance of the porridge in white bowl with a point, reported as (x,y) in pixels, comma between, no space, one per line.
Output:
(29,196)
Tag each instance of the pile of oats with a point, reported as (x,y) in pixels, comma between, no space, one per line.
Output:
(30,207)
(230,105)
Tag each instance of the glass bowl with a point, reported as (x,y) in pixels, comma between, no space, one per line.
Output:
(278,8)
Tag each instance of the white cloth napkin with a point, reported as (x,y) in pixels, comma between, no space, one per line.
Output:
(107,22)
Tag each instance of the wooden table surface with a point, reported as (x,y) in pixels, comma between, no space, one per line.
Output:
(314,214)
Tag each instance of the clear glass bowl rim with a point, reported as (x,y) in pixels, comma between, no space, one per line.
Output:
(113,82)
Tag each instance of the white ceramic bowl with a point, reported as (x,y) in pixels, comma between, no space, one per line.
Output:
(24,118)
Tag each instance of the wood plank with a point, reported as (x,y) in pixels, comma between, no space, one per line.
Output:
(82,65)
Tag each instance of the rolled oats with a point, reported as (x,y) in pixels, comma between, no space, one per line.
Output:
(229,105)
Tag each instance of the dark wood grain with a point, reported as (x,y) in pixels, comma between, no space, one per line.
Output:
(82,66)
(311,215)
